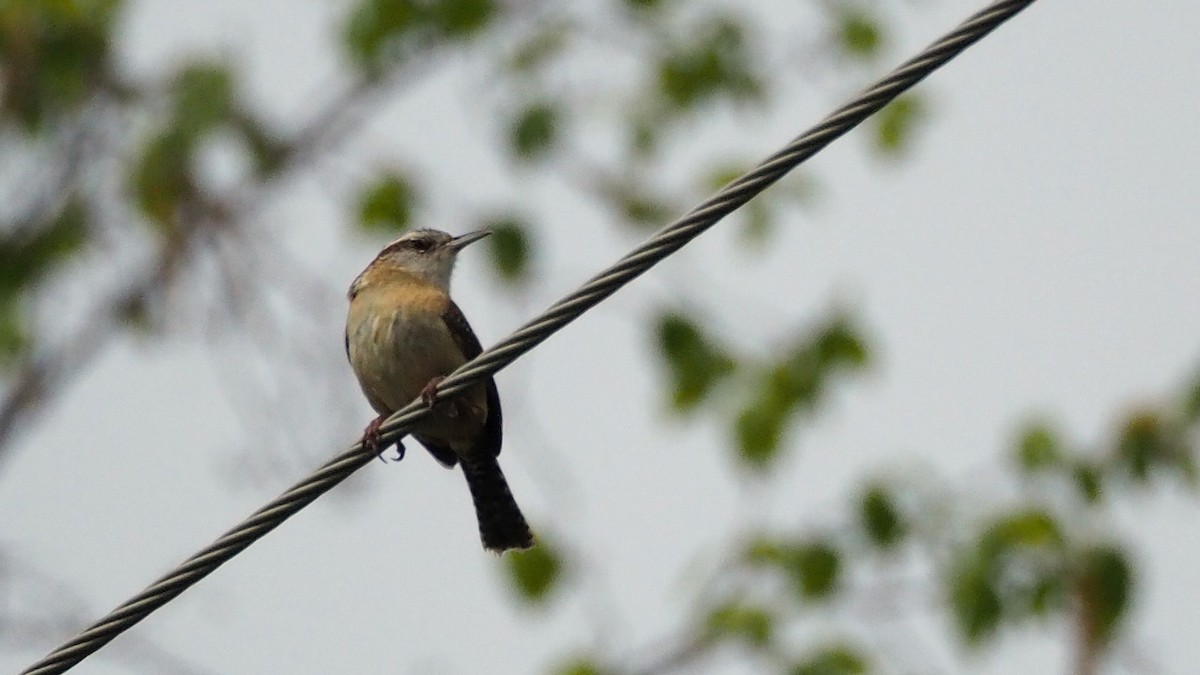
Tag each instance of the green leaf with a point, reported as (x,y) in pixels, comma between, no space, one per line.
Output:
(162,176)
(895,123)
(1191,402)
(795,383)
(461,18)
(376,30)
(535,130)
(579,666)
(1048,593)
(65,236)
(203,95)
(759,431)
(1038,449)
(14,337)
(840,660)
(387,204)
(814,569)
(644,4)
(1148,443)
(754,625)
(510,248)
(534,572)
(380,33)
(765,551)
(880,518)
(1015,571)
(641,209)
(714,61)
(859,34)
(975,601)
(55,54)
(696,363)
(1089,480)
(1105,587)
(23,262)
(840,345)
(1028,528)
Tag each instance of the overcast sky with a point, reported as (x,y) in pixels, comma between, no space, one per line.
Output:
(1036,254)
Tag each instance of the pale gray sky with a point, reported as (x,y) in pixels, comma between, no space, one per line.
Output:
(1037,253)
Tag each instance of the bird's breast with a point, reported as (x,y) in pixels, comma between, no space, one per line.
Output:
(397,345)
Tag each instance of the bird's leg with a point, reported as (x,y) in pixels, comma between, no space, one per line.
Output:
(429,394)
(370,440)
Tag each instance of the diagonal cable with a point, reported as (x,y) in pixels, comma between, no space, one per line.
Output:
(668,240)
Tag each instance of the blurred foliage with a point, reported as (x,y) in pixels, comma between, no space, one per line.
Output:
(860,33)
(1104,581)
(881,517)
(1010,564)
(535,130)
(579,666)
(535,572)
(757,218)
(106,156)
(381,32)
(696,363)
(511,248)
(1038,449)
(739,621)
(54,55)
(895,125)
(838,660)
(795,383)
(715,60)
(812,568)
(387,204)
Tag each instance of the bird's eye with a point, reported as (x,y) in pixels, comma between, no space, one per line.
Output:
(422,245)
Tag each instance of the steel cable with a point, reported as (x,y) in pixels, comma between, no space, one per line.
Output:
(668,240)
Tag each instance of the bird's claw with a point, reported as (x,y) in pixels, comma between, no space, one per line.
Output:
(371,441)
(429,395)
(370,438)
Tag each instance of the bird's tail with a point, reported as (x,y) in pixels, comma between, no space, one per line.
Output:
(501,525)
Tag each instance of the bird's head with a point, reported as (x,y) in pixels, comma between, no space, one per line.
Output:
(426,254)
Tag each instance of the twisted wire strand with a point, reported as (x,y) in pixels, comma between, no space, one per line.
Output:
(668,240)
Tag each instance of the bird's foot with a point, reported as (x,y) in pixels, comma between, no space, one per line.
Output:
(370,438)
(371,441)
(429,394)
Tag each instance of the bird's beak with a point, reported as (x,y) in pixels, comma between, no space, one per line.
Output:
(459,243)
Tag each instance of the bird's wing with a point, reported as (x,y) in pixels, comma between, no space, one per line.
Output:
(464,337)
(469,345)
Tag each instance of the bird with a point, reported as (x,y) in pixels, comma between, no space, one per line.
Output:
(404,334)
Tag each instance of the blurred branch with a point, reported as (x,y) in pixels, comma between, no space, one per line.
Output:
(65,175)
(681,654)
(44,373)
(1088,652)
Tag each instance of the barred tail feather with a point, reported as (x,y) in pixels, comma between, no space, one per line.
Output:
(501,525)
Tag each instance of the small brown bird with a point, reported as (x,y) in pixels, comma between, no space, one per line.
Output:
(403,336)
